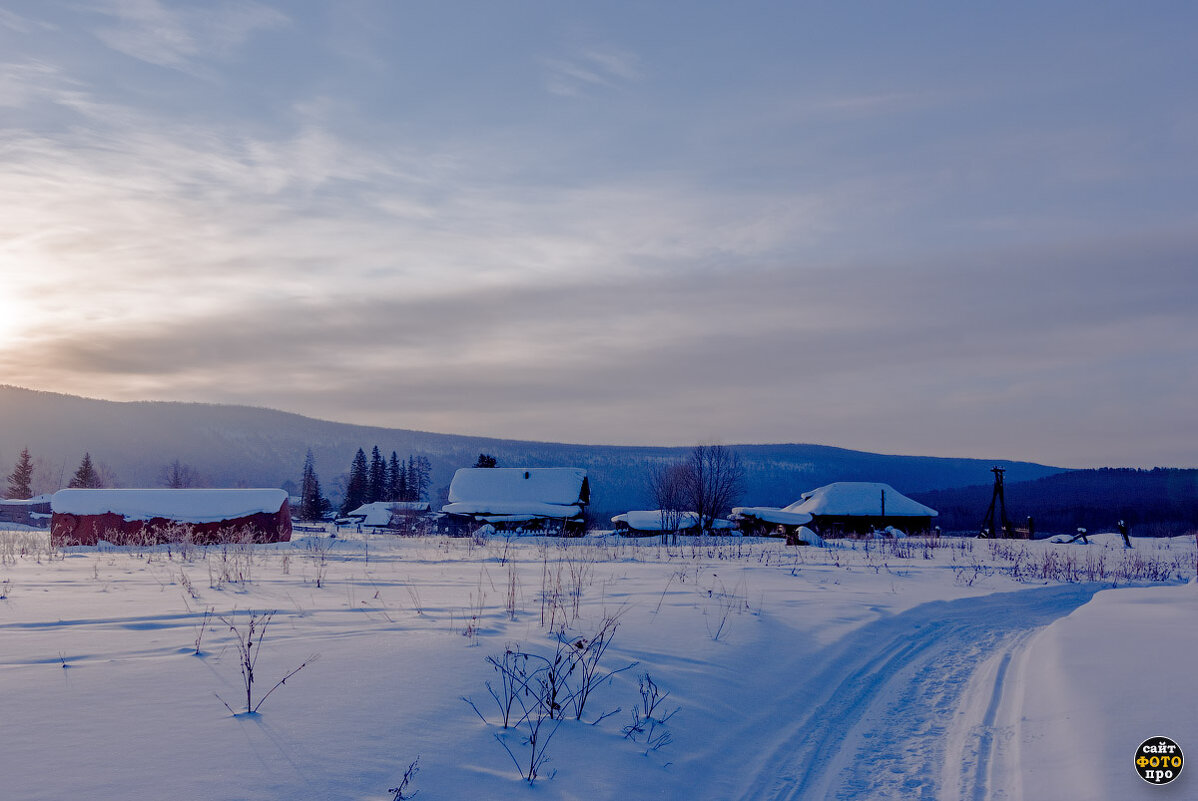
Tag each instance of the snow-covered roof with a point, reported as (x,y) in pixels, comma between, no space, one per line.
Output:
(651,520)
(36,500)
(858,499)
(541,491)
(379,513)
(772,514)
(533,508)
(559,485)
(183,505)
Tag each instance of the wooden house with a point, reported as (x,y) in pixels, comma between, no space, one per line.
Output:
(551,500)
(862,508)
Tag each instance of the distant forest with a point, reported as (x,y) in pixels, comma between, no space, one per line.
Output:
(1157,502)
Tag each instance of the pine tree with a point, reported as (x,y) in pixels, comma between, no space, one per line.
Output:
(420,482)
(86,476)
(410,480)
(20,481)
(355,488)
(486,460)
(313,504)
(376,478)
(395,479)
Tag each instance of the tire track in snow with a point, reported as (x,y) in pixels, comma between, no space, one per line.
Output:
(874,713)
(986,735)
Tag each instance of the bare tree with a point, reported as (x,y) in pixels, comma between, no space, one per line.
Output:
(706,483)
(667,487)
(714,480)
(178,475)
(45,479)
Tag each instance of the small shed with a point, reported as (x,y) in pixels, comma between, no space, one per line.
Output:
(144,516)
(33,511)
(858,508)
(644,523)
(549,499)
(772,521)
(389,515)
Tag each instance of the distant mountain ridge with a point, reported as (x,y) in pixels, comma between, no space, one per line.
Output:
(249,446)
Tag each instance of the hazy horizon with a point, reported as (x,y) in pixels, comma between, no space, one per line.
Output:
(937,229)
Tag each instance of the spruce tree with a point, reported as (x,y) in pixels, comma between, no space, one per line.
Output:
(376,478)
(86,476)
(355,488)
(395,479)
(486,460)
(421,479)
(313,504)
(20,481)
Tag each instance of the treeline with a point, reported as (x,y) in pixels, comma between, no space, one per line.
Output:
(392,480)
(23,480)
(1157,502)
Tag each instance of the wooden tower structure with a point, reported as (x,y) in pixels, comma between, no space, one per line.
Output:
(997,525)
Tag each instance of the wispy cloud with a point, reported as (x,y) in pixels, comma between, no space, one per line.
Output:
(182,37)
(589,69)
(20,24)
(825,246)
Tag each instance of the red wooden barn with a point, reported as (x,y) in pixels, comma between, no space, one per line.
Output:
(139,516)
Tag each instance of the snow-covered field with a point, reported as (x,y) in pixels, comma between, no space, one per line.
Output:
(954,670)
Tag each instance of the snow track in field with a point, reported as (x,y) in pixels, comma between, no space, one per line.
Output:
(906,707)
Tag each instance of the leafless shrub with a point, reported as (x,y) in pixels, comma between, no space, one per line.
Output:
(725,602)
(414,597)
(967,573)
(185,583)
(581,568)
(535,692)
(478,605)
(527,700)
(587,651)
(649,717)
(248,642)
(551,595)
(203,627)
(400,792)
(318,551)
(513,587)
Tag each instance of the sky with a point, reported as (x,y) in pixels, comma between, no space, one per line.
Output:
(941,228)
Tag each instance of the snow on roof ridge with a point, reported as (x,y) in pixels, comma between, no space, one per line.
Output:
(183,505)
(858,498)
(561,486)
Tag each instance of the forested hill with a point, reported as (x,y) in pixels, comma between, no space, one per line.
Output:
(1161,501)
(246,446)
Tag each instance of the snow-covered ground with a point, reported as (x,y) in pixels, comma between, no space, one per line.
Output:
(961,670)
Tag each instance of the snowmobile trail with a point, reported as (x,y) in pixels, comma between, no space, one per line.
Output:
(882,713)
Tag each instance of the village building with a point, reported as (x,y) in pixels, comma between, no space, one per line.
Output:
(33,511)
(856,508)
(772,521)
(391,516)
(645,523)
(143,516)
(551,500)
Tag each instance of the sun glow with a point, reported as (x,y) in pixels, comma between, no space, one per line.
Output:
(13,318)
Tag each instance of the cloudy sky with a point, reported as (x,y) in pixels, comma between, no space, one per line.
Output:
(929,228)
